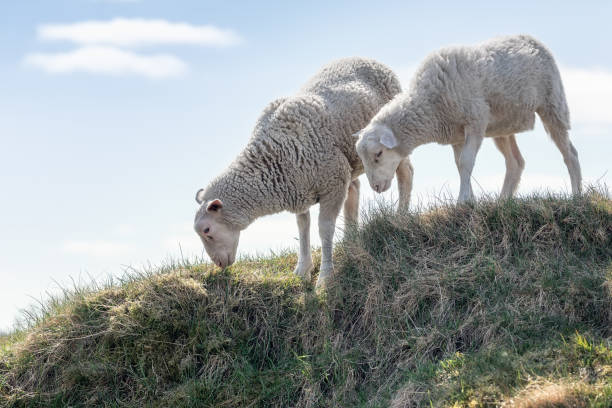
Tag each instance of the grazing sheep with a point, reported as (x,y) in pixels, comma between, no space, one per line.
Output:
(301,153)
(458,96)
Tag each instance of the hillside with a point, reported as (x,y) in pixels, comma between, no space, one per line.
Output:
(501,303)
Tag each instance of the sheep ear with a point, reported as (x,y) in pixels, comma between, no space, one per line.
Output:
(387,139)
(214,205)
(200,196)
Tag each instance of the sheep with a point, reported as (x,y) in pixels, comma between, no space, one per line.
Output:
(301,153)
(458,96)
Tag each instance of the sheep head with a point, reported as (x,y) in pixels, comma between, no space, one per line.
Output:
(377,148)
(220,239)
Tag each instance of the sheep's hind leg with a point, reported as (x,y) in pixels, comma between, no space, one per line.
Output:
(329,209)
(404,174)
(558,133)
(457,152)
(514,164)
(467,158)
(351,204)
(304,264)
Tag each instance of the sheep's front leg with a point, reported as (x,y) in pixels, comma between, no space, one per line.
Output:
(466,160)
(329,210)
(304,264)
(404,174)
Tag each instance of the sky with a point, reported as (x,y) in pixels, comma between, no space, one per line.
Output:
(113,113)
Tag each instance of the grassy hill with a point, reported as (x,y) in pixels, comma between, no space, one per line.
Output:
(504,303)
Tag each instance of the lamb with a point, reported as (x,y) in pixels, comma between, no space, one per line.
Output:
(301,153)
(458,96)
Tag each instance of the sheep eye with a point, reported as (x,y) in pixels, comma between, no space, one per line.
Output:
(379,154)
(206,230)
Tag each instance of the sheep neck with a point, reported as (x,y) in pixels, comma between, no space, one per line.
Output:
(245,192)
(414,122)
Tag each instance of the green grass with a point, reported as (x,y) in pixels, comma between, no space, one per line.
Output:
(472,306)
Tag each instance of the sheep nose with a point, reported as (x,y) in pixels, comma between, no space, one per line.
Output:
(377,188)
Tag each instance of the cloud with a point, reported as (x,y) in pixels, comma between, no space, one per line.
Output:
(102,46)
(110,61)
(589,92)
(94,248)
(122,32)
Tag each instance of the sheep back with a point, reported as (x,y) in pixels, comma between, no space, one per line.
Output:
(507,79)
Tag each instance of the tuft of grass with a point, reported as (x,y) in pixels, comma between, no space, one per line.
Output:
(498,303)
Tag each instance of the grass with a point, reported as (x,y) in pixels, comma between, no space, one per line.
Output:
(498,304)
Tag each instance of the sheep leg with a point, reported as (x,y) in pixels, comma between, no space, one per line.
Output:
(351,204)
(514,164)
(457,152)
(558,133)
(467,158)
(570,157)
(329,210)
(404,174)
(304,264)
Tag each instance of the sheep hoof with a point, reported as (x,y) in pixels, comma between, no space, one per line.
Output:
(466,199)
(325,274)
(304,271)
(321,284)
(403,208)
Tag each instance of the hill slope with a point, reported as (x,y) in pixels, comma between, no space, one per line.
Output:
(501,303)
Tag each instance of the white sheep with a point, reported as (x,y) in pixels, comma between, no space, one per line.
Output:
(301,153)
(458,96)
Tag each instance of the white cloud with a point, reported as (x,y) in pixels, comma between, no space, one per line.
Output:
(110,61)
(124,32)
(95,248)
(589,94)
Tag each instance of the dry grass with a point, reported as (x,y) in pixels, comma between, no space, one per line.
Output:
(548,396)
(459,306)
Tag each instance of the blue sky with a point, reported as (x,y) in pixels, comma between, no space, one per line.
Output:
(113,113)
